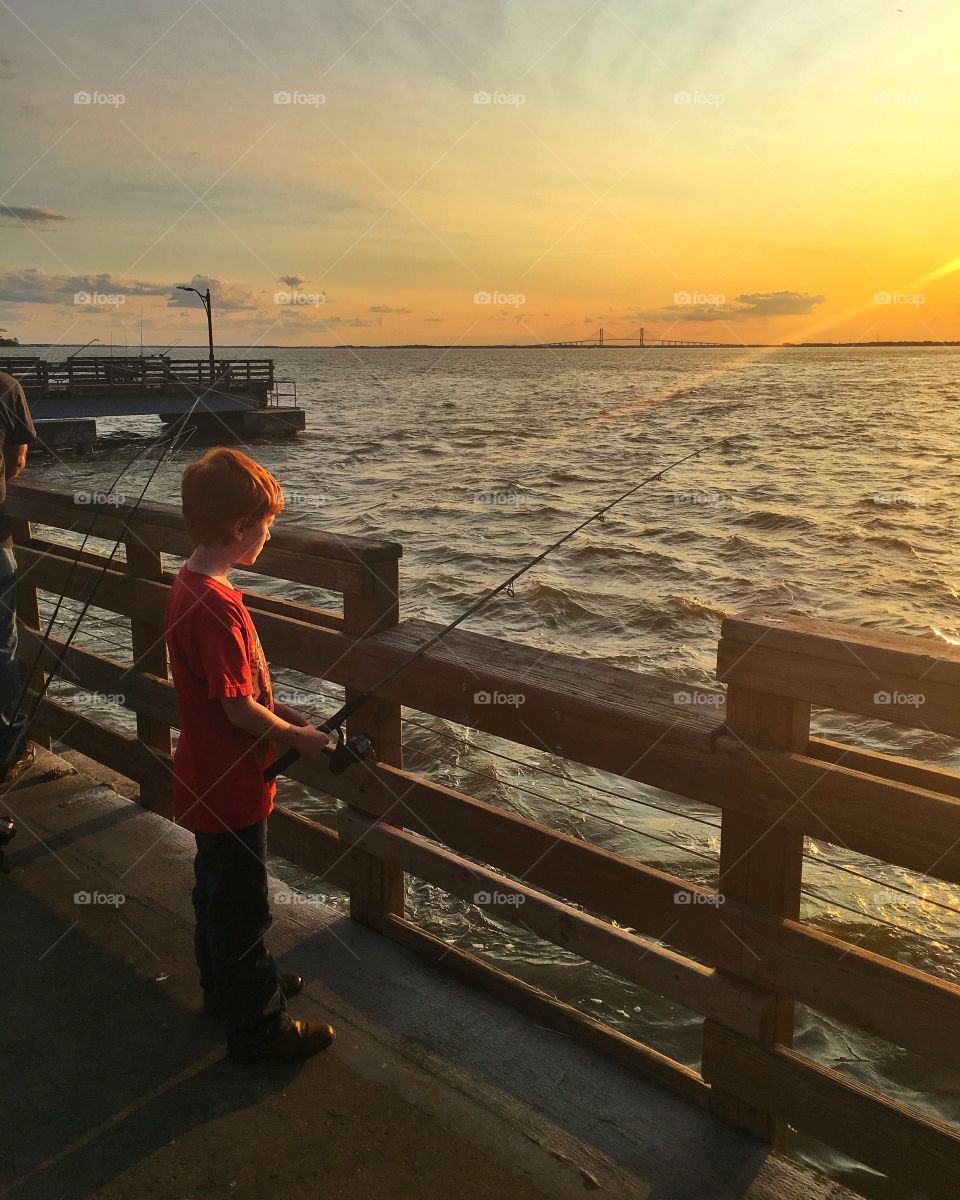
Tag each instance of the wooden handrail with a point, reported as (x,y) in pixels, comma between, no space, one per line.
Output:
(740,956)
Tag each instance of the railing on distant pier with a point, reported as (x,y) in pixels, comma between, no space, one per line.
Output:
(741,964)
(131,373)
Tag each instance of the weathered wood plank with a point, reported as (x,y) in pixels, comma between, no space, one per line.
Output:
(886,766)
(851,645)
(882,818)
(313,848)
(549,1011)
(381,892)
(914,702)
(889,1136)
(761,867)
(643,962)
(150,655)
(27,497)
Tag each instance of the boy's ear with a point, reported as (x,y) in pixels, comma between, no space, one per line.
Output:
(239,530)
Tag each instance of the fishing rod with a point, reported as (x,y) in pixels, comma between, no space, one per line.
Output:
(355,749)
(13,733)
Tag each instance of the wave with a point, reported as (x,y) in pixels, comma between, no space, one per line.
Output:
(769,520)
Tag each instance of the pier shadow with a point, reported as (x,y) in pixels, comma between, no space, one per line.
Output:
(100,1067)
(674,1148)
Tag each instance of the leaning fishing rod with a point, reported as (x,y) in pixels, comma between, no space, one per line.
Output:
(13,734)
(355,749)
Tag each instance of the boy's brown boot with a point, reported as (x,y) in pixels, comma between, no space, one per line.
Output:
(213,1006)
(295,1041)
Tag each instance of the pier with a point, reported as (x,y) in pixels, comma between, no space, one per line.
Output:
(230,397)
(738,957)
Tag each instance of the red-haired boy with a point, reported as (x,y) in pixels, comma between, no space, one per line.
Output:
(228,726)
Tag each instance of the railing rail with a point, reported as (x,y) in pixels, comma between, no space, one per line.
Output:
(741,964)
(132,372)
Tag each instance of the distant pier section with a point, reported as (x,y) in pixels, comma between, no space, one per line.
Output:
(238,397)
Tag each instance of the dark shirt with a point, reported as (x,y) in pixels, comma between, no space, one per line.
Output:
(16,429)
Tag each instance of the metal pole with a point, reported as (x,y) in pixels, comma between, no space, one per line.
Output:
(206,305)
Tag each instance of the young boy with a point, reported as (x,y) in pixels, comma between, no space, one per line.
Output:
(229,723)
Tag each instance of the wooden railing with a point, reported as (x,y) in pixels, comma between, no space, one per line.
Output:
(76,376)
(740,957)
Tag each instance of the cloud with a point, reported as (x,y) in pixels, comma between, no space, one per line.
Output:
(32,286)
(779,304)
(225,296)
(741,308)
(31,215)
(291,280)
(385,308)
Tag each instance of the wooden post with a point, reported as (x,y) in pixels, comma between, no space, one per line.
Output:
(150,654)
(377,607)
(761,867)
(28,613)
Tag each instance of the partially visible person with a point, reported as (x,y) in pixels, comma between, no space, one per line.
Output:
(16,432)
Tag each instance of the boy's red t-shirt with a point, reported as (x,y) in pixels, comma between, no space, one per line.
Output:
(215,653)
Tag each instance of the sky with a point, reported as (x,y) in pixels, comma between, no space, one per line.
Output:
(397,171)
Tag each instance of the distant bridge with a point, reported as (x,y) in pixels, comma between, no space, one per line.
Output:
(600,342)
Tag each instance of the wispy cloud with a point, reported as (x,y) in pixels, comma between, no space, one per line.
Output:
(31,214)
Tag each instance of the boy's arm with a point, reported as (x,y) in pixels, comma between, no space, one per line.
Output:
(289,714)
(260,722)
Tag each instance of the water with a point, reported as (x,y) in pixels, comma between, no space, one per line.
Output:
(833,496)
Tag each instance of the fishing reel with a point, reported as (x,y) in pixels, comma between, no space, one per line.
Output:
(348,751)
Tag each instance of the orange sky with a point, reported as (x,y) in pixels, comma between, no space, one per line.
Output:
(454,173)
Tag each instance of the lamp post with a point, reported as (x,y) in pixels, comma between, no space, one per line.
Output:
(205,301)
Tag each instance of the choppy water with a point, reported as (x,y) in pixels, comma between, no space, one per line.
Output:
(834,496)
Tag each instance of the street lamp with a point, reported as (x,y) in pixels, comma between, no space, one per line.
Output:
(205,301)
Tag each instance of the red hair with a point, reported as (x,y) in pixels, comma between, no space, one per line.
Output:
(222,488)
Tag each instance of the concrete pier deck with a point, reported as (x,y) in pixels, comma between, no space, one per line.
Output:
(116,1086)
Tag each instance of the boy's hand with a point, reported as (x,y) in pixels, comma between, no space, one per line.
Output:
(310,742)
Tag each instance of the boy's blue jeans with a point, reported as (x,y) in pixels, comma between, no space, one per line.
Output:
(233,915)
(10,680)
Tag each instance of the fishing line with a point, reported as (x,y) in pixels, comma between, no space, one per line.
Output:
(680,814)
(354,750)
(14,734)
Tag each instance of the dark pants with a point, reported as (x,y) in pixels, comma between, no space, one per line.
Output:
(233,915)
(10,682)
